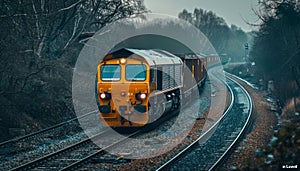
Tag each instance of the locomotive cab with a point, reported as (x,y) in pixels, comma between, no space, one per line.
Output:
(123,90)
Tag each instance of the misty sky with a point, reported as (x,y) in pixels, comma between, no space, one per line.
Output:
(233,11)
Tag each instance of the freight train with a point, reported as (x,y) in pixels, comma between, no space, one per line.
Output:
(135,86)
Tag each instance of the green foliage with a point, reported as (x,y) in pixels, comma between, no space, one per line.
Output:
(226,40)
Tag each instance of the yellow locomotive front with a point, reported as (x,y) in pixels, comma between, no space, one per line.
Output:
(123,90)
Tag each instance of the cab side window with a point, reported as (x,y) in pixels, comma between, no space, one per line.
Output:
(152,75)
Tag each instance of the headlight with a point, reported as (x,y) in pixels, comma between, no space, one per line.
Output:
(102,96)
(143,96)
(105,96)
(123,61)
(140,96)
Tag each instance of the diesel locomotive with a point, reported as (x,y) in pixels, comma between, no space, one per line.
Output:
(135,87)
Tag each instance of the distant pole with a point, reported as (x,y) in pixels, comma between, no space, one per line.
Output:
(247,60)
(246,45)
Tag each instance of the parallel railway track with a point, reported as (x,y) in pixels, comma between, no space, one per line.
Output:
(63,159)
(29,147)
(78,154)
(54,159)
(226,133)
(74,155)
(43,131)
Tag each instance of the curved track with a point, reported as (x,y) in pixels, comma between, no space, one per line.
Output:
(243,131)
(212,153)
(220,138)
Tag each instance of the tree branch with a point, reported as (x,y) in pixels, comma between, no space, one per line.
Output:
(71,6)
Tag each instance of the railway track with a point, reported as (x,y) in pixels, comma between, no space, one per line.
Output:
(243,131)
(228,131)
(83,152)
(43,131)
(62,159)
(76,154)
(150,164)
(29,147)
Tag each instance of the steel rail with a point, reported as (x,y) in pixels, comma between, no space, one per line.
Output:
(35,162)
(44,130)
(102,150)
(240,135)
(195,143)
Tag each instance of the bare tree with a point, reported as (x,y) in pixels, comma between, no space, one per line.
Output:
(276,47)
(38,39)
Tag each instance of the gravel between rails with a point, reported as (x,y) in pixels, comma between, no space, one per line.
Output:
(206,153)
(244,157)
(27,150)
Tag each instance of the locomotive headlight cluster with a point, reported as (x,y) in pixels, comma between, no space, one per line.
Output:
(141,96)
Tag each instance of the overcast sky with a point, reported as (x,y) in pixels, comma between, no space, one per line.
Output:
(233,11)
